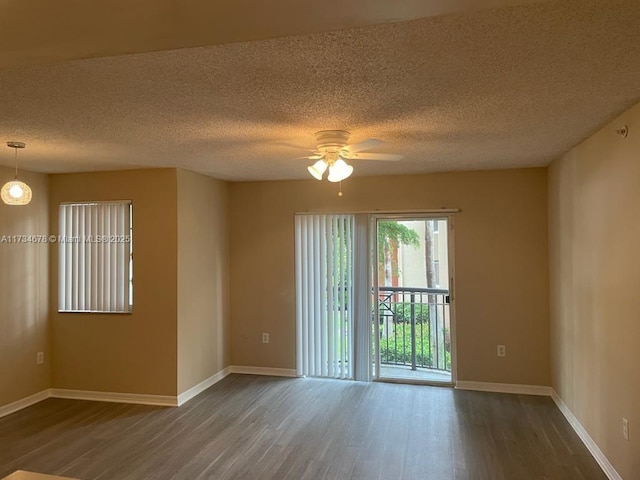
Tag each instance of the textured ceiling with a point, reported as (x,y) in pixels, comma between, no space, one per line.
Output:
(45,31)
(507,87)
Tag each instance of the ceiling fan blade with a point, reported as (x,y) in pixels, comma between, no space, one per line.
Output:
(311,157)
(385,157)
(364,145)
(292,145)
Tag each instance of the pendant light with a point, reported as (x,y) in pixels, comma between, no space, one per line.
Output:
(16,192)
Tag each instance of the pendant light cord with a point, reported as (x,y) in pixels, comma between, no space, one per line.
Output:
(16,177)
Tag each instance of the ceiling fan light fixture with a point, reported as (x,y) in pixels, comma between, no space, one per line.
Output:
(16,192)
(339,171)
(317,169)
(333,148)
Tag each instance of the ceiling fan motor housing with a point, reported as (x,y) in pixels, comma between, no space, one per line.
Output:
(332,140)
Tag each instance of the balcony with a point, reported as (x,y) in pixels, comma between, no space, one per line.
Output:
(414,335)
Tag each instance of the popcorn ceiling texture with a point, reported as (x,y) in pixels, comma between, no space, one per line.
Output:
(41,31)
(501,88)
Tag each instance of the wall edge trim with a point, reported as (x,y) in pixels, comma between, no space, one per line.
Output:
(274,372)
(116,397)
(24,402)
(513,388)
(196,390)
(591,445)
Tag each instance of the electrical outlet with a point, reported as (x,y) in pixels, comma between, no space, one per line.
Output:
(502,351)
(265,337)
(40,358)
(625,428)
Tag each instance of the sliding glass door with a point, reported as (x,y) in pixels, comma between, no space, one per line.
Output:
(374,297)
(413,326)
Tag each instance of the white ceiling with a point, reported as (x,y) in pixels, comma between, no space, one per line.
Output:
(493,88)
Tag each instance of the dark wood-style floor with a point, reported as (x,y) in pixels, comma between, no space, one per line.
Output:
(249,427)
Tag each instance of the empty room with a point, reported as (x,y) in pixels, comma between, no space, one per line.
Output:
(356,239)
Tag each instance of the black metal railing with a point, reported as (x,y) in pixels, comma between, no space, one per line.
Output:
(414,327)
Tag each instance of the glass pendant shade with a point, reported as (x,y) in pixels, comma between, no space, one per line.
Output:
(16,192)
(339,171)
(317,169)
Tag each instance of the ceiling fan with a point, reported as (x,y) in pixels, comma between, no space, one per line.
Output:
(333,150)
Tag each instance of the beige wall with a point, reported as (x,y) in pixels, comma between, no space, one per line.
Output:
(23,294)
(134,353)
(594,199)
(203,320)
(501,263)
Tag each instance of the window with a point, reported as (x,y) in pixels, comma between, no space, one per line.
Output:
(95,257)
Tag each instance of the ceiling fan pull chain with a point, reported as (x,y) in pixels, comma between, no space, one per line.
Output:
(340,192)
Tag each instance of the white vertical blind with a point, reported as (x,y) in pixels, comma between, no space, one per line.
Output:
(325,295)
(362,297)
(94,253)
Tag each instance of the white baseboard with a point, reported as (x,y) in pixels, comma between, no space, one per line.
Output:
(274,372)
(591,445)
(24,403)
(187,395)
(136,398)
(142,399)
(504,388)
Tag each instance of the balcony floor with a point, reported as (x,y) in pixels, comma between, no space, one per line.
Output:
(403,372)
